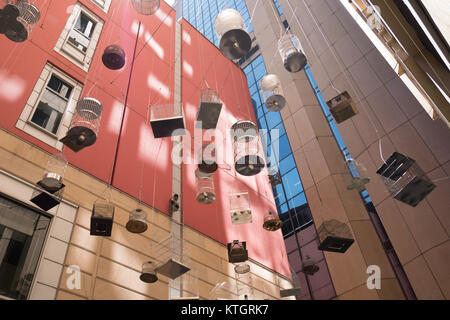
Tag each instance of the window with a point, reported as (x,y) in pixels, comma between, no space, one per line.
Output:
(81,34)
(22,235)
(104,4)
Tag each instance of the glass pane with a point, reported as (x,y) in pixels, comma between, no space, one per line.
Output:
(85,25)
(292,184)
(47,117)
(60,86)
(273,119)
(287,164)
(279,194)
(282,147)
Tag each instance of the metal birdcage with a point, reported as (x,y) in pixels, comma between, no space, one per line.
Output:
(241,268)
(207,158)
(405,180)
(358,175)
(172,257)
(137,222)
(272,93)
(234,42)
(209,110)
(145,7)
(17,19)
(342,107)
(113,57)
(102,218)
(237,251)
(240,208)
(205,187)
(223,291)
(334,236)
(291,53)
(148,274)
(248,154)
(309,266)
(167,120)
(244,286)
(85,124)
(185,287)
(271,221)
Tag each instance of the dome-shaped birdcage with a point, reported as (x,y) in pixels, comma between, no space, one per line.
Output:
(145,7)
(17,19)
(272,92)
(357,177)
(207,158)
(271,221)
(291,53)
(52,180)
(148,274)
(205,187)
(85,124)
(113,57)
(208,110)
(234,42)
(137,222)
(248,153)
(309,266)
(240,208)
(342,107)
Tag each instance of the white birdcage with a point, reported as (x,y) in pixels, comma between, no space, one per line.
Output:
(272,92)
(148,274)
(334,236)
(205,187)
(207,158)
(102,218)
(85,124)
(223,291)
(145,7)
(113,57)
(167,120)
(357,179)
(208,110)
(405,180)
(17,19)
(234,42)
(52,180)
(137,222)
(244,286)
(342,107)
(172,257)
(185,287)
(240,208)
(291,53)
(271,221)
(248,154)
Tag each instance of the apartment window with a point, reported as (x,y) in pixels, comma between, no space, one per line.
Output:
(104,4)
(81,34)
(22,236)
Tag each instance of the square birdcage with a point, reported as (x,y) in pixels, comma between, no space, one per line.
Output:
(167,120)
(240,208)
(46,200)
(185,287)
(172,257)
(342,107)
(405,180)
(237,251)
(102,218)
(209,110)
(334,236)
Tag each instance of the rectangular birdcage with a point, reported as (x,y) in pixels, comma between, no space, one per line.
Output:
(405,180)
(46,200)
(172,257)
(167,120)
(102,218)
(208,110)
(334,236)
(185,287)
(342,107)
(240,208)
(237,251)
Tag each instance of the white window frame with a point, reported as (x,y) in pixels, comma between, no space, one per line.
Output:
(24,122)
(105,6)
(68,50)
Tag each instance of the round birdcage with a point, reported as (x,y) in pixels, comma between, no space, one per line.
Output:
(205,187)
(272,93)
(248,154)
(145,7)
(148,274)
(18,19)
(234,42)
(242,268)
(137,222)
(207,158)
(54,173)
(113,57)
(309,266)
(357,179)
(272,222)
(291,53)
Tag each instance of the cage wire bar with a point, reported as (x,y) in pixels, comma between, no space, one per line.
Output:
(185,287)
(172,257)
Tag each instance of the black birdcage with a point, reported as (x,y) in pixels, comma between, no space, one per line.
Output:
(209,110)
(102,218)
(148,274)
(167,120)
(342,107)
(237,251)
(334,236)
(137,222)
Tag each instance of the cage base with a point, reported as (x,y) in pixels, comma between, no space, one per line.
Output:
(172,269)
(136,226)
(148,277)
(415,191)
(101,226)
(78,138)
(206,197)
(168,127)
(295,62)
(344,112)
(208,168)
(275,103)
(235,44)
(45,201)
(249,165)
(208,115)
(335,244)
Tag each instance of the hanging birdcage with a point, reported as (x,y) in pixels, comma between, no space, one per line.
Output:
(405,180)
(205,187)
(185,287)
(113,57)
(237,251)
(309,266)
(272,93)
(241,268)
(148,274)
(46,200)
(167,120)
(294,289)
(240,208)
(207,158)
(272,222)
(334,236)
(234,41)
(145,7)
(17,19)
(248,156)
(223,291)
(102,218)
(358,175)
(209,110)
(291,52)
(137,222)
(172,256)
(85,124)
(244,286)
(275,179)
(342,107)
